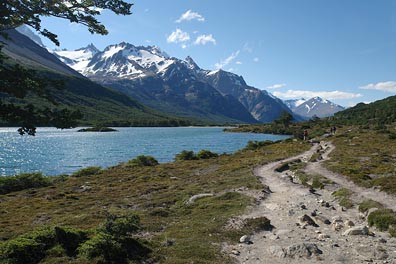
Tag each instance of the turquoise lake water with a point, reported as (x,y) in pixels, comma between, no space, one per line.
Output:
(55,152)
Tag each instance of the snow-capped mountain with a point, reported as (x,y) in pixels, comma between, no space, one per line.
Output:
(315,106)
(294,103)
(170,84)
(77,59)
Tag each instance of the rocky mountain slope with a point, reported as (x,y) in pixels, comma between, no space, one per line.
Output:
(98,104)
(178,86)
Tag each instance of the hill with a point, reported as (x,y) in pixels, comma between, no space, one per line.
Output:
(380,112)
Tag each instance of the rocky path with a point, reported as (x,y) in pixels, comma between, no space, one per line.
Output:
(310,227)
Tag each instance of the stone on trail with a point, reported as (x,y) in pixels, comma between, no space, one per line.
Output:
(303,250)
(305,219)
(356,231)
(349,223)
(245,239)
(322,219)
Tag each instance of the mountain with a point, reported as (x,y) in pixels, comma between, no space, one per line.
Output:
(25,30)
(161,82)
(294,103)
(179,86)
(77,59)
(97,103)
(315,106)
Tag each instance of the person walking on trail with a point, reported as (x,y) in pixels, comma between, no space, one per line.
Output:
(305,135)
(334,130)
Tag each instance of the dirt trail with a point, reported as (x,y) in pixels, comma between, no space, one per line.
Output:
(293,241)
(362,193)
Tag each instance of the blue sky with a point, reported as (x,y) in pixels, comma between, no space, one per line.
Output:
(341,50)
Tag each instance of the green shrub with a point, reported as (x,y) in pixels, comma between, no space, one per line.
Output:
(206,154)
(382,219)
(28,248)
(317,183)
(186,155)
(103,246)
(368,204)
(343,196)
(120,226)
(23,181)
(252,145)
(143,161)
(87,171)
(70,239)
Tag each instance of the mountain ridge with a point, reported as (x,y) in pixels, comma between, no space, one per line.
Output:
(123,66)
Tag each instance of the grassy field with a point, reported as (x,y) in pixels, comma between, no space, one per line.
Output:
(175,231)
(366,156)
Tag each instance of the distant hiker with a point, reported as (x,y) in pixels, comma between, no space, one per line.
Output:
(334,130)
(305,134)
(331,131)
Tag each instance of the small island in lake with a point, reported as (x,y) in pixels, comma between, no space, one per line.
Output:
(97,129)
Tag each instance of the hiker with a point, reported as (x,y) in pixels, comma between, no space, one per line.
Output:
(305,134)
(331,131)
(334,130)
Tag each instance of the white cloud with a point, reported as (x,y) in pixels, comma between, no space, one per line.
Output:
(324,94)
(178,36)
(227,61)
(256,59)
(277,86)
(247,48)
(184,46)
(238,62)
(190,15)
(203,39)
(381,86)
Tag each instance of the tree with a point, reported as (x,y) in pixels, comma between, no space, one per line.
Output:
(17,81)
(285,118)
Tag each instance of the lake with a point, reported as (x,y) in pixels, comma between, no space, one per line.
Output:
(53,151)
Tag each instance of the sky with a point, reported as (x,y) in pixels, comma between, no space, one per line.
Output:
(340,50)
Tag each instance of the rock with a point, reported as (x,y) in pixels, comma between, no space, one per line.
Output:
(322,219)
(291,212)
(304,250)
(303,207)
(356,231)
(337,225)
(235,252)
(305,219)
(336,218)
(82,188)
(323,236)
(382,240)
(349,223)
(245,239)
(313,213)
(277,251)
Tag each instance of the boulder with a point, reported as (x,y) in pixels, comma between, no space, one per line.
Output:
(322,219)
(357,231)
(303,250)
(245,239)
(349,223)
(306,219)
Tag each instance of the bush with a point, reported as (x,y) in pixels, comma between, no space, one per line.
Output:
(206,154)
(368,204)
(252,145)
(120,226)
(143,161)
(87,172)
(186,155)
(23,181)
(383,219)
(70,239)
(103,246)
(29,248)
